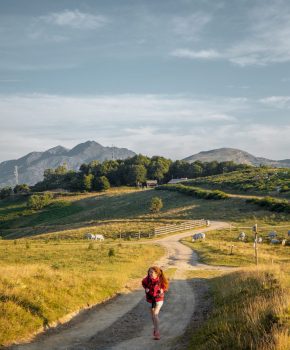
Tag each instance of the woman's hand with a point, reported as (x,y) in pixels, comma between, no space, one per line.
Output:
(146,290)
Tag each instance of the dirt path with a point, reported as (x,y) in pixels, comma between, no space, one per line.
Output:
(124,322)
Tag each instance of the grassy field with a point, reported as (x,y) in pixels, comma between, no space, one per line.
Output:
(252,312)
(66,276)
(222,247)
(127,204)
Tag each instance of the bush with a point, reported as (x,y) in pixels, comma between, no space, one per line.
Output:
(38,202)
(156,204)
(111,252)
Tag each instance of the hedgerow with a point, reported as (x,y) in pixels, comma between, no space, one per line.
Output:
(272,204)
(194,191)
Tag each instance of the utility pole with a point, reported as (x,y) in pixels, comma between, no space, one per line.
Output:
(113,156)
(16,174)
(255,230)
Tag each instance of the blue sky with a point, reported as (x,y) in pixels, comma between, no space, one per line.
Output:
(159,77)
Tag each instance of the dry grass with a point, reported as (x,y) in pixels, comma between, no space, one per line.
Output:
(221,247)
(66,276)
(251,311)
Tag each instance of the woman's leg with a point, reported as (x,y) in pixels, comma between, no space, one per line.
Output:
(155,317)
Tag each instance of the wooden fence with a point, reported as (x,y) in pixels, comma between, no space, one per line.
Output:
(186,225)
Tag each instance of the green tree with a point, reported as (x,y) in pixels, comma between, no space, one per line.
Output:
(88,182)
(101,183)
(156,204)
(22,188)
(136,174)
(158,168)
(5,192)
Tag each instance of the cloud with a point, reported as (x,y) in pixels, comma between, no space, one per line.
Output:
(75,19)
(203,54)
(191,26)
(263,41)
(128,120)
(281,102)
(175,126)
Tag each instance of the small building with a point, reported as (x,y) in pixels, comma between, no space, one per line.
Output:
(176,181)
(151,183)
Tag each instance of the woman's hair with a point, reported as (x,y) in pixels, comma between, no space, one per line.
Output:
(160,274)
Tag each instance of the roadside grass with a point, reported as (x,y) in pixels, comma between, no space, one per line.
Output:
(251,311)
(42,282)
(221,247)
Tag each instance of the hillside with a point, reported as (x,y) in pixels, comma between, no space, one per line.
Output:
(274,182)
(237,156)
(32,165)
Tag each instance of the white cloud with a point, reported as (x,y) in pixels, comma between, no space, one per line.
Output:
(124,120)
(75,19)
(281,102)
(203,54)
(265,38)
(175,126)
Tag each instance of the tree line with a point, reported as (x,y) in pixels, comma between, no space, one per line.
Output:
(134,171)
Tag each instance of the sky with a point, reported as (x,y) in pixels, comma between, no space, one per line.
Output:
(159,77)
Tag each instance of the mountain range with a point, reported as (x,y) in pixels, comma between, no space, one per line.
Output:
(32,165)
(238,156)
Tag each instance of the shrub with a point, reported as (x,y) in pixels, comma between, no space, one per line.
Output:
(38,202)
(111,252)
(156,204)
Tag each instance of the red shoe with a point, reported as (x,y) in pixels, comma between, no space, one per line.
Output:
(154,332)
(157,336)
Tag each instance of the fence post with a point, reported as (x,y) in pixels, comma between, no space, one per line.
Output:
(255,230)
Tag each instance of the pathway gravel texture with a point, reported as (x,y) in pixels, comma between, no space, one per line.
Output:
(124,322)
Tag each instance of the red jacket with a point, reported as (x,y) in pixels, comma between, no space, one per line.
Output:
(154,286)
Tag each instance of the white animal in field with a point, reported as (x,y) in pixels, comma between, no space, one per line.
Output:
(242,236)
(89,236)
(99,237)
(94,237)
(197,236)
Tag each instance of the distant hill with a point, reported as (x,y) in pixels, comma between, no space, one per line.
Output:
(238,156)
(32,166)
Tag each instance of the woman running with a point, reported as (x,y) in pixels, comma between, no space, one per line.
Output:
(155,284)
